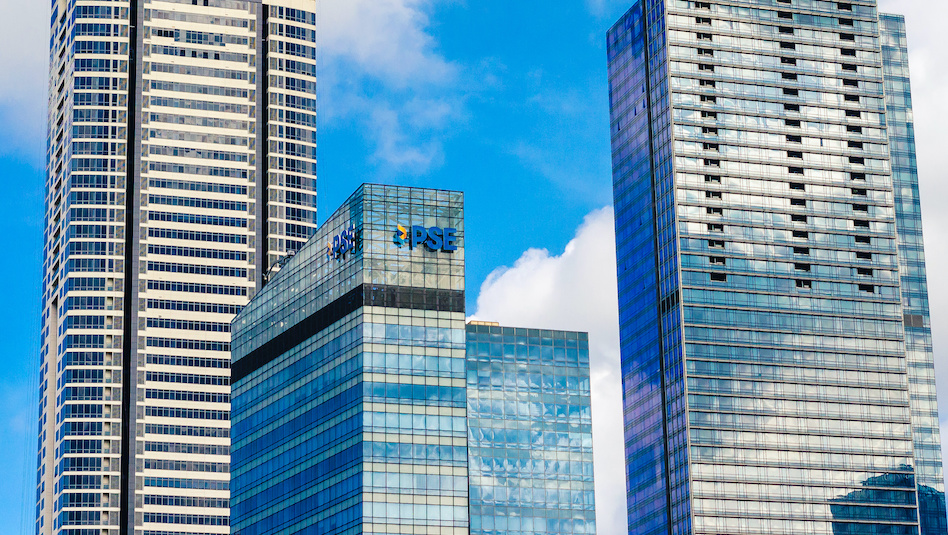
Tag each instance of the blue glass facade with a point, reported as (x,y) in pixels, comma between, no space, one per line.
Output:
(529,431)
(913,278)
(349,381)
(773,318)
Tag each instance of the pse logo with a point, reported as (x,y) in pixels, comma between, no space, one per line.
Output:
(434,238)
(342,244)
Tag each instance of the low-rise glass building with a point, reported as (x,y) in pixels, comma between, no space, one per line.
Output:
(529,431)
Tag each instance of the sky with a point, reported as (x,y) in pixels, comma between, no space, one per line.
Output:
(507,101)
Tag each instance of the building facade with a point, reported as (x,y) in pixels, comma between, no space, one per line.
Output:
(529,431)
(181,164)
(349,410)
(774,328)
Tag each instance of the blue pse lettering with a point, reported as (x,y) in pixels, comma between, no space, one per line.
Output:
(434,238)
(342,244)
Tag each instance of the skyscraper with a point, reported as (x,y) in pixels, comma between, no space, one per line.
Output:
(776,350)
(181,165)
(349,376)
(361,399)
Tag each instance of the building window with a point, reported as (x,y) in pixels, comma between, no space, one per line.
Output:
(718,277)
(804,284)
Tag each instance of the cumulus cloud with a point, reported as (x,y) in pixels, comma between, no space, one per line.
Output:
(576,290)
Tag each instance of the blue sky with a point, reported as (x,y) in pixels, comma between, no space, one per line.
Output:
(506,101)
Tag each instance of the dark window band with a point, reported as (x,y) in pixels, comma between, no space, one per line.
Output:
(365,295)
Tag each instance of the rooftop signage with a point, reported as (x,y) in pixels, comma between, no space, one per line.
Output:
(433,238)
(342,244)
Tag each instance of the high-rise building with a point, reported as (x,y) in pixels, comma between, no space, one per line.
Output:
(181,165)
(776,349)
(529,431)
(349,379)
(361,399)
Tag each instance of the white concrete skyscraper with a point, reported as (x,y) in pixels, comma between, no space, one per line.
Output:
(181,166)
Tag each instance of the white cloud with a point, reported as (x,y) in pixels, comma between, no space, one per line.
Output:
(387,39)
(376,56)
(24,57)
(576,290)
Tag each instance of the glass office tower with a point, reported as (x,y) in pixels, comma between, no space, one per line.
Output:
(912,275)
(776,350)
(349,380)
(529,431)
(181,163)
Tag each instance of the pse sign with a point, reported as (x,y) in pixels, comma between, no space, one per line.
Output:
(342,244)
(434,238)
